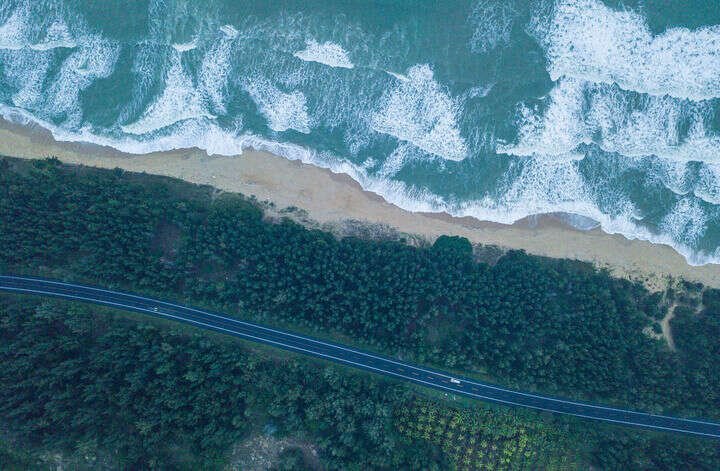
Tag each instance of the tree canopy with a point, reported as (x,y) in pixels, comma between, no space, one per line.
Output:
(555,326)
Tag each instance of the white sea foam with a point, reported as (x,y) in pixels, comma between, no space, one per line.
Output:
(675,175)
(282,110)
(707,188)
(13,31)
(402,154)
(327,53)
(27,41)
(556,130)
(398,76)
(57,35)
(642,125)
(94,60)
(25,71)
(577,112)
(23,30)
(179,101)
(587,39)
(229,31)
(417,111)
(202,133)
(479,92)
(546,187)
(543,186)
(422,112)
(492,22)
(184,47)
(686,222)
(214,72)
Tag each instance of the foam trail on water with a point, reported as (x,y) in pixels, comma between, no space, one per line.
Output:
(229,31)
(58,35)
(13,31)
(588,40)
(184,47)
(420,111)
(214,72)
(25,71)
(402,154)
(327,53)
(635,149)
(492,22)
(661,126)
(555,131)
(282,110)
(47,81)
(94,60)
(708,185)
(479,92)
(543,186)
(686,222)
(23,29)
(398,76)
(179,101)
(578,112)
(674,175)
(200,133)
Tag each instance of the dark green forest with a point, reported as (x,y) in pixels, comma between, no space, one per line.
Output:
(555,326)
(121,394)
(144,397)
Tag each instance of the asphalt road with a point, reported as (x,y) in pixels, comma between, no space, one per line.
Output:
(353,357)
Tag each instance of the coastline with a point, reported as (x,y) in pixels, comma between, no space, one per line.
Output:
(328,197)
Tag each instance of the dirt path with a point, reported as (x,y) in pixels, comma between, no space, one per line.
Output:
(665,325)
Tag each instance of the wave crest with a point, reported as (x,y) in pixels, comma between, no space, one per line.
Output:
(327,53)
(577,112)
(586,39)
(282,110)
(418,110)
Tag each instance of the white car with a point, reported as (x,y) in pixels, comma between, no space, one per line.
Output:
(155,309)
(453,380)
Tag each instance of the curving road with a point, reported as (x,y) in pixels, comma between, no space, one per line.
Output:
(351,356)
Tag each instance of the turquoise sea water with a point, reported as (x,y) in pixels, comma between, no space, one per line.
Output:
(607,111)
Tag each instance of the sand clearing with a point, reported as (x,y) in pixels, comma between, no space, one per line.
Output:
(329,197)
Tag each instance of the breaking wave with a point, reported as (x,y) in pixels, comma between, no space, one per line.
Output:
(588,40)
(326,53)
(579,112)
(418,110)
(594,116)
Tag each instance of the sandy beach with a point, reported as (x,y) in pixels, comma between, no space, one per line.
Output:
(329,197)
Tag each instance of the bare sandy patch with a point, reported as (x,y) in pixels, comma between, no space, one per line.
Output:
(260,452)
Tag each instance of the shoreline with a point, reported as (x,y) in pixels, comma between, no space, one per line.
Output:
(329,197)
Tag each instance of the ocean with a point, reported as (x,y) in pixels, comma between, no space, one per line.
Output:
(604,113)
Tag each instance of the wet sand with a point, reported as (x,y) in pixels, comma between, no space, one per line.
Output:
(328,197)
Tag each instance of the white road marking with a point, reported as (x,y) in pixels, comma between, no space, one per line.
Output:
(391,373)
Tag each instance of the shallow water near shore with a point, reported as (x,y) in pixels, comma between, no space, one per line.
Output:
(605,112)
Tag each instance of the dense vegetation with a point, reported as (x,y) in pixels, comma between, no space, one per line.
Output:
(76,380)
(697,335)
(109,392)
(555,326)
